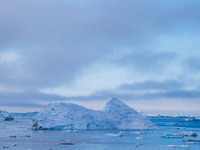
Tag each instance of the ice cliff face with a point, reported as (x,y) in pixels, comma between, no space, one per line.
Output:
(116,115)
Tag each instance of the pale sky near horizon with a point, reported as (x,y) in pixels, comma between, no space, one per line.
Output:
(144,52)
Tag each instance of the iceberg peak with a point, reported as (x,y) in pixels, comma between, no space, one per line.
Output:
(115,100)
(116,105)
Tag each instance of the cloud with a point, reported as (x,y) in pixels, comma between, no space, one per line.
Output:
(27,98)
(137,96)
(152,85)
(147,61)
(97,49)
(193,64)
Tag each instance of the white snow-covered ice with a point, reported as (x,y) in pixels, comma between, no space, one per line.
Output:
(115,115)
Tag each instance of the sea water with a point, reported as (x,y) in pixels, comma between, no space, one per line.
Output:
(17,135)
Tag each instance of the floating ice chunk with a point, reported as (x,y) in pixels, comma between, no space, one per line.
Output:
(36,126)
(178,146)
(70,131)
(191,133)
(192,119)
(139,138)
(122,132)
(139,144)
(112,134)
(171,136)
(8,117)
(179,128)
(66,143)
(13,136)
(137,132)
(190,140)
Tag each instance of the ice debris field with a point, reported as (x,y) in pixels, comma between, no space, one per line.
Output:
(117,127)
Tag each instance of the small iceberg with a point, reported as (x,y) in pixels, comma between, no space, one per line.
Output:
(7,117)
(36,126)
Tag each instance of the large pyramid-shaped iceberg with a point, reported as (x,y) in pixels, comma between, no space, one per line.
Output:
(124,117)
(116,115)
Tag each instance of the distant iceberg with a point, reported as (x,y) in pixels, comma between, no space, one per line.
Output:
(115,115)
(8,118)
(5,116)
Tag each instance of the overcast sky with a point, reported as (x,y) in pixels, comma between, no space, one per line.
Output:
(145,52)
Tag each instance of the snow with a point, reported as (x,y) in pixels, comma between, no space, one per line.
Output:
(115,115)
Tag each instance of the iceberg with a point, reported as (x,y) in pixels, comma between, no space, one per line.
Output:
(68,116)
(6,116)
(125,117)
